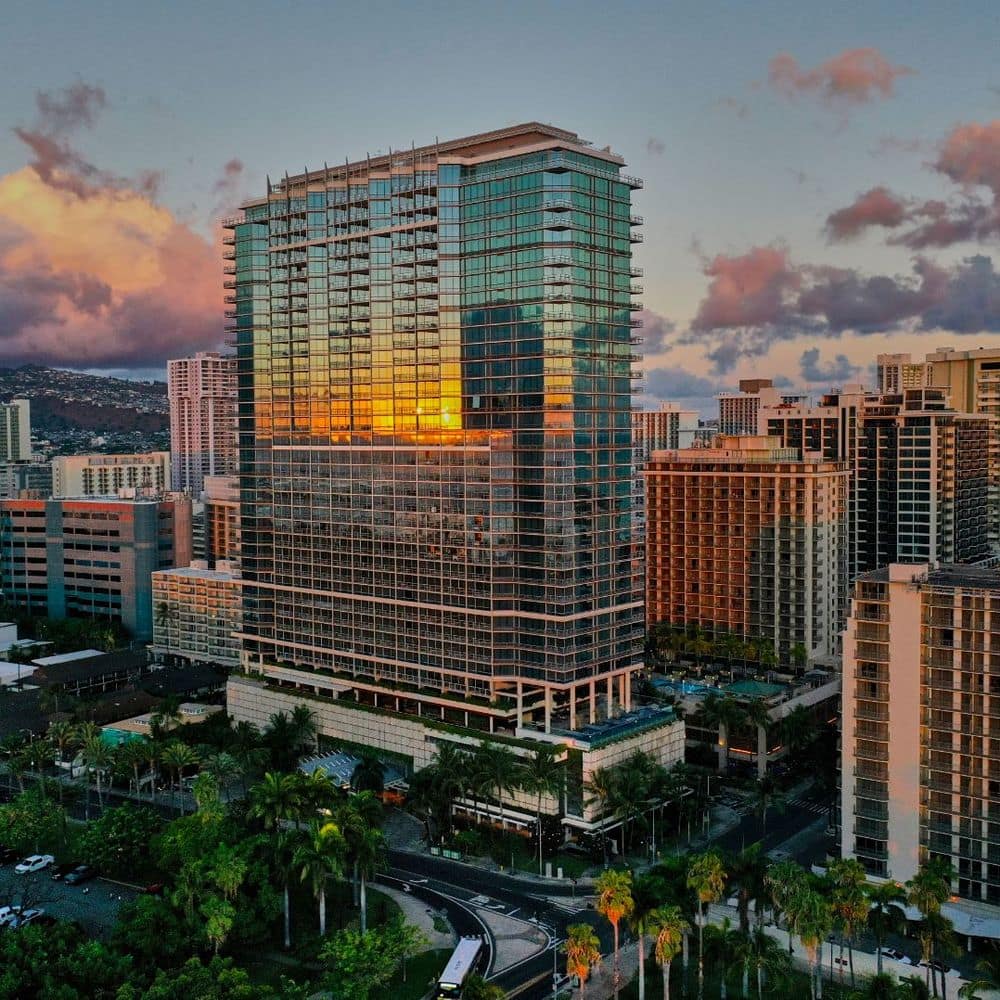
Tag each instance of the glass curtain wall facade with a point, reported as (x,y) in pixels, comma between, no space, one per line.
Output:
(435,355)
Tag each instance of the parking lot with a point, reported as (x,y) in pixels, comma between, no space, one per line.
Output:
(94,904)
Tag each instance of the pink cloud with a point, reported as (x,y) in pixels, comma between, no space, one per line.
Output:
(746,290)
(855,76)
(877,207)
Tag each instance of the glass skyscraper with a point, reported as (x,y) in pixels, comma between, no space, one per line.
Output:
(435,354)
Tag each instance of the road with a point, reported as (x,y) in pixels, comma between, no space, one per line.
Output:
(94,904)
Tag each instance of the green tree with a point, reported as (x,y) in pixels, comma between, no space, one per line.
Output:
(850,903)
(362,963)
(177,757)
(369,775)
(785,880)
(543,774)
(583,952)
(886,914)
(758,716)
(117,842)
(646,895)
(765,957)
(928,890)
(725,713)
(669,929)
(706,877)
(504,772)
(599,791)
(614,902)
(809,913)
(477,988)
(218,980)
(318,858)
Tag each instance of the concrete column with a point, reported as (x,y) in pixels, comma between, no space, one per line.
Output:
(548,708)
(520,704)
(611,697)
(623,691)
(572,707)
(593,702)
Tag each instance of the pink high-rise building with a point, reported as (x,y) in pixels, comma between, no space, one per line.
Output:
(202,392)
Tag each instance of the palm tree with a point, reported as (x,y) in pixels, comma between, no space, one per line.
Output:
(97,757)
(785,880)
(369,775)
(63,735)
(224,767)
(504,771)
(151,757)
(757,714)
(927,891)
(132,756)
(275,798)
(369,856)
(645,896)
(317,858)
(765,653)
(765,956)
(304,727)
(583,952)
(747,870)
(165,614)
(176,756)
(798,729)
(706,877)
(850,902)
(886,914)
(543,774)
(800,655)
(670,930)
(726,713)
(810,915)
(600,790)
(614,902)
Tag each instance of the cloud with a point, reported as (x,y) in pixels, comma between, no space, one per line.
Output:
(678,383)
(655,147)
(855,76)
(877,207)
(969,158)
(57,162)
(657,332)
(838,371)
(93,273)
(231,174)
(760,298)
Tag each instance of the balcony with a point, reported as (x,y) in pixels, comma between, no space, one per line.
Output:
(634,237)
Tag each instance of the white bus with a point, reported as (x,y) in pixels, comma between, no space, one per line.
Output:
(461,965)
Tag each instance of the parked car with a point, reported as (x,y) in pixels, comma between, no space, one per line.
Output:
(8,913)
(34,863)
(25,917)
(896,955)
(82,873)
(61,871)
(945,970)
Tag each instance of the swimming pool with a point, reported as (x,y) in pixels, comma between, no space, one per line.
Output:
(680,687)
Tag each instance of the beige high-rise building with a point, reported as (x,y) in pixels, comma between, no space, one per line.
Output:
(896,372)
(748,539)
(669,427)
(108,475)
(921,726)
(202,395)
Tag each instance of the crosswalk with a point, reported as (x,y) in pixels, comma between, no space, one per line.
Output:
(803,804)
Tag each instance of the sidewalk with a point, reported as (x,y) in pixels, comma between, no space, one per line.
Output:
(418,913)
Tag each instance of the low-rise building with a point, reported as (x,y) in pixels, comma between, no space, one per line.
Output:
(197,612)
(108,475)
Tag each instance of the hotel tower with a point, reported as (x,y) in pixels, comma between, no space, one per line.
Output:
(435,359)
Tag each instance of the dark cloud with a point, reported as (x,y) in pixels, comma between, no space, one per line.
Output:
(855,76)
(68,109)
(759,298)
(877,207)
(835,372)
(231,173)
(54,158)
(679,384)
(657,332)
(655,147)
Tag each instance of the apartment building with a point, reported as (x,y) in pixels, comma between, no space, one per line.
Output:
(748,538)
(15,431)
(669,427)
(921,725)
(197,615)
(920,471)
(91,557)
(202,395)
(25,478)
(435,354)
(108,475)
(896,372)
(221,498)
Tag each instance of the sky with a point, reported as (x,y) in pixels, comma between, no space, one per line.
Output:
(822,181)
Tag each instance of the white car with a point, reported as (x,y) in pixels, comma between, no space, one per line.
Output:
(25,917)
(35,863)
(896,955)
(8,914)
